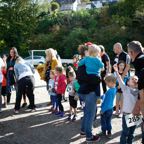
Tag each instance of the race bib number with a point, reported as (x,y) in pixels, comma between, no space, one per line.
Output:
(69,89)
(132,120)
(50,87)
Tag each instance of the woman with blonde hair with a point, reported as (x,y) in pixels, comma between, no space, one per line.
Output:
(51,62)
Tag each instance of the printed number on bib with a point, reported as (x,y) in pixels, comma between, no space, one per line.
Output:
(50,87)
(69,89)
(132,120)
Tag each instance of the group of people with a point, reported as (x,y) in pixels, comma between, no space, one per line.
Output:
(15,73)
(82,80)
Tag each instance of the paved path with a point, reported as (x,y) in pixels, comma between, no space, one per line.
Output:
(41,127)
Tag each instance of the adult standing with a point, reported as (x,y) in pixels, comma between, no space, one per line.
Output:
(135,51)
(87,90)
(25,83)
(52,61)
(107,66)
(121,55)
(13,55)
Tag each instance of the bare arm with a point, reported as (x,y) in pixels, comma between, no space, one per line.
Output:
(126,70)
(142,101)
(136,110)
(119,78)
(108,67)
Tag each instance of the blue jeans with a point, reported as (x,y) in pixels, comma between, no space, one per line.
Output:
(54,101)
(106,120)
(89,113)
(127,133)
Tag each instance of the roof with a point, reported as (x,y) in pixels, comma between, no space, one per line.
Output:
(65,1)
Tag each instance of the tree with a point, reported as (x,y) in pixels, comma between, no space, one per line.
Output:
(18,19)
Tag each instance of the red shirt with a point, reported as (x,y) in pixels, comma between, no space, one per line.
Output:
(4,77)
(60,84)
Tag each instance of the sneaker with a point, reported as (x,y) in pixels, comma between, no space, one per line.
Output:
(69,117)
(109,135)
(33,110)
(102,133)
(57,113)
(4,105)
(16,111)
(82,134)
(74,118)
(94,139)
(54,111)
(61,114)
(24,105)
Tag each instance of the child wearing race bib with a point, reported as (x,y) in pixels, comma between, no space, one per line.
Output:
(72,88)
(130,96)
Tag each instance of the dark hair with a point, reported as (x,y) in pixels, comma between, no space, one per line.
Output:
(16,55)
(82,49)
(59,69)
(102,48)
(71,74)
(76,56)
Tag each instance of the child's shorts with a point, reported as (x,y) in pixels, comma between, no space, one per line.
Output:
(119,96)
(73,102)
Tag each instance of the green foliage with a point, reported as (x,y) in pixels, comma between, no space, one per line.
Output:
(17,21)
(54,6)
(29,26)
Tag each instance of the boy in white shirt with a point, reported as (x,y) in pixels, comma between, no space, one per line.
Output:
(130,96)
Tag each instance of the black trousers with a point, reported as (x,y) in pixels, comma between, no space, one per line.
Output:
(25,85)
(59,98)
(103,74)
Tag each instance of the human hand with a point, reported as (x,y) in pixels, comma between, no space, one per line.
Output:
(11,68)
(136,110)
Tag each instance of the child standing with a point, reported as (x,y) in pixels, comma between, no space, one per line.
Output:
(1,79)
(107,105)
(75,61)
(130,96)
(60,86)
(4,72)
(71,88)
(52,92)
(119,96)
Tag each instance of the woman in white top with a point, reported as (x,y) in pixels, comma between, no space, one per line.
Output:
(25,83)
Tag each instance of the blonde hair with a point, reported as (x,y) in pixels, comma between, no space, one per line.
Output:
(94,50)
(50,53)
(19,60)
(52,72)
(110,78)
